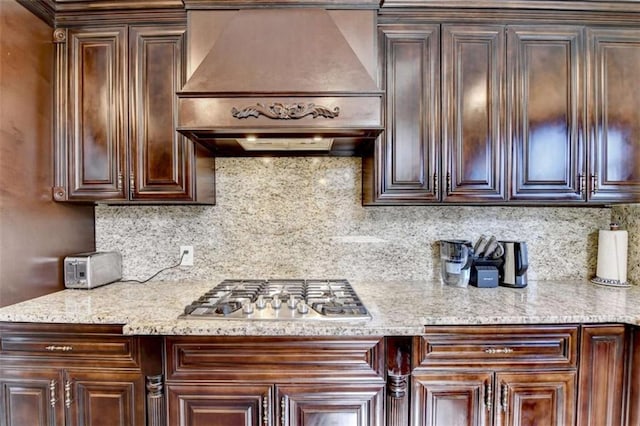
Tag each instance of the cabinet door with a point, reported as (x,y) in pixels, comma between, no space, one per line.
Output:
(220,405)
(406,163)
(452,399)
(602,360)
(31,397)
(535,398)
(104,398)
(472,75)
(634,378)
(545,112)
(613,117)
(319,405)
(96,141)
(161,166)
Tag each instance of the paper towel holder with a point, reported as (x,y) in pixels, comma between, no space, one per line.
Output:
(615,275)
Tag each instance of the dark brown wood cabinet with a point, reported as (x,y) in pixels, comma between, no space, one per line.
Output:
(508,375)
(530,113)
(452,398)
(545,112)
(407,166)
(613,114)
(275,381)
(472,103)
(633,377)
(601,393)
(53,374)
(116,108)
(534,397)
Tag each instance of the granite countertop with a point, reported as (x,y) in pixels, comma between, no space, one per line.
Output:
(397,308)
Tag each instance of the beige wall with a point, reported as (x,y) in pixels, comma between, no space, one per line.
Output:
(35,233)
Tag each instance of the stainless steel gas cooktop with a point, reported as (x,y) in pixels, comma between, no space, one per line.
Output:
(279,299)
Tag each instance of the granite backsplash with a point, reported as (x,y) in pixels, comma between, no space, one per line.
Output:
(302,217)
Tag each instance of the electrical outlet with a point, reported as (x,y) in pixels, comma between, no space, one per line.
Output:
(187,259)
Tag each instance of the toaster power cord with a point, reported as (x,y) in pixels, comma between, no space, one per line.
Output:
(184,253)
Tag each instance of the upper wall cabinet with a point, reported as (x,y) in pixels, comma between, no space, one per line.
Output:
(614,114)
(406,158)
(545,113)
(530,114)
(116,110)
(472,140)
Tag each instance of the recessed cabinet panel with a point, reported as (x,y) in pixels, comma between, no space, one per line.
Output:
(30,397)
(94,396)
(545,110)
(463,399)
(602,358)
(613,111)
(97,113)
(472,73)
(408,157)
(320,405)
(160,165)
(535,398)
(220,405)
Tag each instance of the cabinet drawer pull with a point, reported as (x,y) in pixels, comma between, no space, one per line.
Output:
(594,183)
(265,410)
(435,183)
(498,350)
(67,394)
(504,397)
(55,348)
(283,411)
(120,182)
(488,399)
(52,393)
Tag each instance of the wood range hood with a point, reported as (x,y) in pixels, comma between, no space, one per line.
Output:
(282,82)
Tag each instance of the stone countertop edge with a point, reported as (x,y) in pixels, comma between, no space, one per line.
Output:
(397,308)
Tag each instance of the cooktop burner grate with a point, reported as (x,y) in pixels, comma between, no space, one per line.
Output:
(279,299)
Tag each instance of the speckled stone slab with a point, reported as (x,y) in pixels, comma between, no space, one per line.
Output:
(396,307)
(303,218)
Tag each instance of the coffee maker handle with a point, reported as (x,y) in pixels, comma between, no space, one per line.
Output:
(522,262)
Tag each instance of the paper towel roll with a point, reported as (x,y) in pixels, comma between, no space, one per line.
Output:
(612,256)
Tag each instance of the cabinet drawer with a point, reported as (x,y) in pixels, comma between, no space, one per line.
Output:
(510,346)
(21,343)
(263,358)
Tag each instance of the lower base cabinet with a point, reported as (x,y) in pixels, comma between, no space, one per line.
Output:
(308,405)
(74,375)
(274,381)
(495,375)
(486,398)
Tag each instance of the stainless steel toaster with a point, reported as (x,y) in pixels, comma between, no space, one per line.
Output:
(90,270)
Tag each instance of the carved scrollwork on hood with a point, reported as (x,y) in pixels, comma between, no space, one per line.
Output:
(282,111)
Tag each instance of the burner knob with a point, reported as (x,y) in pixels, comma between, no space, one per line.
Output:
(276,302)
(247,308)
(292,302)
(260,303)
(303,308)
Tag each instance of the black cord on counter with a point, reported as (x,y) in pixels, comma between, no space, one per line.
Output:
(184,253)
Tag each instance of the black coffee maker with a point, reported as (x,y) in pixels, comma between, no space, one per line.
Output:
(513,271)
